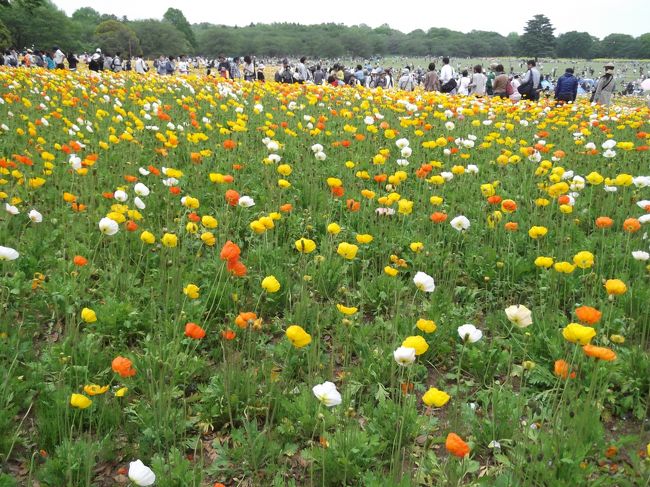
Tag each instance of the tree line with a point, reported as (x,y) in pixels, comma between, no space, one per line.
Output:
(39,23)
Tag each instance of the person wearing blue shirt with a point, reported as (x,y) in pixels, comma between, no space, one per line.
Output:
(567,87)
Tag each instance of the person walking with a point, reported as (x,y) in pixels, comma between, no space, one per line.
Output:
(605,86)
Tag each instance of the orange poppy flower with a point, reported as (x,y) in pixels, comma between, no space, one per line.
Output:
(509,206)
(193,217)
(175,190)
(227,178)
(494,200)
(123,366)
(79,260)
(230,251)
(131,226)
(232,197)
(380,178)
(601,353)
(244,318)
(438,217)
(588,315)
(512,226)
(604,222)
(107,195)
(236,267)
(337,191)
(631,225)
(228,334)
(286,208)
(194,331)
(229,144)
(78,207)
(353,205)
(456,446)
(153,170)
(564,199)
(561,369)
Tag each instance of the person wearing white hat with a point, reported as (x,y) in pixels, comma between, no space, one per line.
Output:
(605,86)
(96,62)
(406,82)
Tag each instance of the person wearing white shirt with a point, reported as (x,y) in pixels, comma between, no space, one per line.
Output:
(446,74)
(463,85)
(182,66)
(58,58)
(140,65)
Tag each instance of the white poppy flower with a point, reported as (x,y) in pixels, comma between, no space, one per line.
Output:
(447,175)
(402,162)
(140,474)
(460,223)
(469,333)
(141,190)
(643,204)
(120,196)
(7,253)
(170,182)
(75,162)
(610,189)
(472,169)
(406,152)
(321,156)
(35,216)
(404,356)
(450,125)
(272,146)
(369,120)
(275,158)
(139,203)
(609,153)
(424,282)
(108,227)
(609,144)
(644,218)
(519,315)
(641,181)
(246,202)
(641,255)
(401,143)
(327,394)
(11,209)
(384,211)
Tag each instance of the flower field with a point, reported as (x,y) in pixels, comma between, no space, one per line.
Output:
(263,284)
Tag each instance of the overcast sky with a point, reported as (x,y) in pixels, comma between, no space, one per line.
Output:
(598,17)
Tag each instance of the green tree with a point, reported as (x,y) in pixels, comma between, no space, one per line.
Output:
(113,36)
(158,38)
(575,45)
(538,39)
(43,27)
(175,17)
(619,46)
(27,4)
(5,36)
(85,21)
(644,46)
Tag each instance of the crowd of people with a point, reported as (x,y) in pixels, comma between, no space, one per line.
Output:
(475,80)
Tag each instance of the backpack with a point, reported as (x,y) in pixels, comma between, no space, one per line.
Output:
(509,89)
(449,86)
(169,67)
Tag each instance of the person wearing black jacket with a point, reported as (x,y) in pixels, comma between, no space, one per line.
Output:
(566,88)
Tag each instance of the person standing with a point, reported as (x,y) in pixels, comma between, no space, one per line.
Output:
(531,81)
(605,86)
(447,79)
(140,65)
(431,80)
(302,73)
(58,58)
(405,82)
(500,82)
(183,67)
(96,61)
(233,69)
(116,63)
(566,88)
(479,81)
(249,69)
(73,60)
(463,85)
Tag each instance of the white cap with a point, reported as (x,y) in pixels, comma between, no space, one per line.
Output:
(98,50)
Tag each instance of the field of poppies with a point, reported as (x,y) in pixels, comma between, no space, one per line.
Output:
(207,283)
